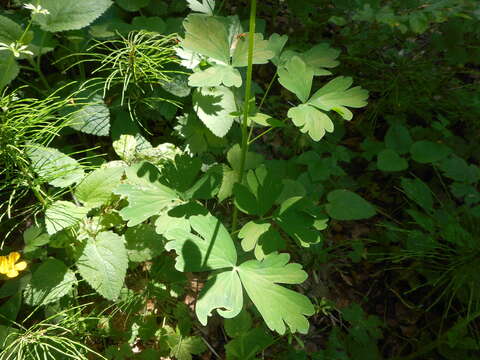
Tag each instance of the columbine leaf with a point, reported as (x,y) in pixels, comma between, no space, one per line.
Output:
(212,249)
(335,96)
(278,305)
(310,120)
(96,188)
(63,214)
(346,205)
(216,75)
(260,236)
(54,167)
(214,107)
(261,193)
(223,292)
(207,35)
(319,57)
(181,347)
(297,77)
(103,264)
(69,14)
(276,44)
(202,6)
(51,281)
(146,196)
(261,51)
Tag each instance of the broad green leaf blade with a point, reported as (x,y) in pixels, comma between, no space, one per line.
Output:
(125,147)
(398,139)
(278,305)
(216,75)
(246,345)
(276,44)
(103,264)
(207,35)
(212,249)
(35,236)
(252,159)
(54,167)
(214,107)
(419,192)
(91,116)
(51,281)
(261,50)
(96,188)
(181,347)
(311,121)
(335,96)
(132,5)
(63,214)
(300,226)
(296,77)
(260,236)
(346,205)
(69,14)
(229,178)
(222,292)
(260,195)
(238,325)
(145,194)
(202,6)
(143,243)
(459,170)
(8,68)
(426,151)
(319,57)
(10,31)
(389,160)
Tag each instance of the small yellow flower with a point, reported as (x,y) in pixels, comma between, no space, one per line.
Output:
(9,265)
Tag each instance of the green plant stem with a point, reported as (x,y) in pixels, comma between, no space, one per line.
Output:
(268,90)
(246,109)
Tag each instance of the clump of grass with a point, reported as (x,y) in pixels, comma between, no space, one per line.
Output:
(136,63)
(51,338)
(25,121)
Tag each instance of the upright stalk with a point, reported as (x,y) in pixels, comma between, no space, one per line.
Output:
(246,106)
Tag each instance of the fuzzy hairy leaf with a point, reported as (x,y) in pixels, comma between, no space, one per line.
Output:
(91,117)
(145,194)
(214,107)
(53,166)
(96,188)
(207,35)
(50,282)
(9,68)
(69,14)
(103,264)
(63,214)
(10,31)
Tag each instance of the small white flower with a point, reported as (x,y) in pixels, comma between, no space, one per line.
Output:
(16,48)
(36,9)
